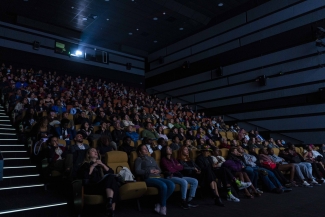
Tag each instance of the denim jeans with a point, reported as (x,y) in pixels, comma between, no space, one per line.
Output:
(309,169)
(269,180)
(183,182)
(252,174)
(165,188)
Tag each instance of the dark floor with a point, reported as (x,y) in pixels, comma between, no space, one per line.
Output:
(300,202)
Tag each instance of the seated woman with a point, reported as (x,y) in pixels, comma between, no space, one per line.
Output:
(147,167)
(126,121)
(224,143)
(130,131)
(97,179)
(160,123)
(161,133)
(172,171)
(181,134)
(267,160)
(236,166)
(189,144)
(204,162)
(201,134)
(216,136)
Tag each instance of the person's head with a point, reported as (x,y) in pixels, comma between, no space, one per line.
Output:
(216,152)
(58,102)
(85,125)
(65,123)
(234,142)
(130,128)
(187,142)
(223,140)
(83,114)
(79,138)
(183,154)
(205,150)
(142,150)
(166,151)
(127,140)
(240,149)
(175,130)
(309,147)
(149,126)
(181,130)
(66,115)
(215,131)
(175,139)
(103,125)
(161,141)
(104,140)
(270,151)
(263,151)
(102,113)
(234,151)
(291,146)
(53,141)
(92,155)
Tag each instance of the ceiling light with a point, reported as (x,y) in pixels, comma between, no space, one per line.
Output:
(137,29)
(107,19)
(72,7)
(78,53)
(181,28)
(155,41)
(220,4)
(164,13)
(106,0)
(84,18)
(155,18)
(130,33)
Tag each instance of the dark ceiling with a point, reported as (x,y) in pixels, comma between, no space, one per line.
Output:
(109,23)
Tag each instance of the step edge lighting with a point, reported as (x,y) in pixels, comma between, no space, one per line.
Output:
(23,186)
(32,208)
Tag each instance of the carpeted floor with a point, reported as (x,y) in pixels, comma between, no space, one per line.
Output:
(301,202)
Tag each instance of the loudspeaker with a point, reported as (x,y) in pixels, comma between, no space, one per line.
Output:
(36,45)
(262,80)
(219,72)
(161,60)
(186,65)
(128,66)
(321,92)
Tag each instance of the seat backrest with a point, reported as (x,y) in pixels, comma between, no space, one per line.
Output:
(62,142)
(157,156)
(133,156)
(115,159)
(276,151)
(224,152)
(174,155)
(230,135)
(193,154)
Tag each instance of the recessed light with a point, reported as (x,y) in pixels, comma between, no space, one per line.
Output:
(155,41)
(72,7)
(220,4)
(107,19)
(137,29)
(106,0)
(181,28)
(164,13)
(84,18)
(130,33)
(155,18)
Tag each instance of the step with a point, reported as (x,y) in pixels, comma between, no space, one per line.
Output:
(48,210)
(16,161)
(36,201)
(8,136)
(9,141)
(29,179)
(12,147)
(14,154)
(19,170)
(21,189)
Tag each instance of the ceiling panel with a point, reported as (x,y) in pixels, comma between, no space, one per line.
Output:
(125,16)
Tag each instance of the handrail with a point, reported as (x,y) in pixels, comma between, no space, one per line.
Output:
(265,128)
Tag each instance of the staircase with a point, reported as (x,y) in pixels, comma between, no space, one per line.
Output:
(21,192)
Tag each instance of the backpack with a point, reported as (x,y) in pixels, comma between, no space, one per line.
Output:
(125,173)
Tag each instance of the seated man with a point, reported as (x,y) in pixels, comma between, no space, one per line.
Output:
(57,156)
(254,172)
(149,132)
(59,108)
(126,147)
(82,118)
(64,132)
(118,133)
(176,143)
(172,133)
(77,153)
(151,145)
(100,118)
(130,131)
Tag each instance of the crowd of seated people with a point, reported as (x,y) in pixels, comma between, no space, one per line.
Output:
(92,117)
